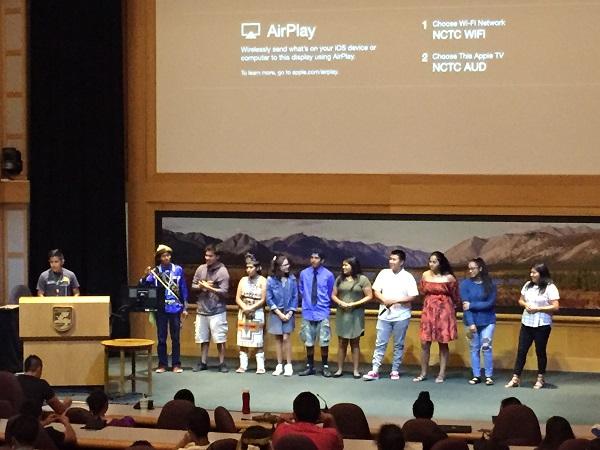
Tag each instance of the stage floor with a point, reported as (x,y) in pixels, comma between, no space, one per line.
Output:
(573,395)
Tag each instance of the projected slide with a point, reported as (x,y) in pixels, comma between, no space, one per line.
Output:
(378,87)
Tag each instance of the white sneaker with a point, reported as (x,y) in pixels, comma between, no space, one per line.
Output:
(288,370)
(278,370)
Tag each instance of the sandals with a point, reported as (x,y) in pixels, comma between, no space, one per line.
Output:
(489,381)
(420,378)
(240,370)
(440,379)
(475,380)
(514,382)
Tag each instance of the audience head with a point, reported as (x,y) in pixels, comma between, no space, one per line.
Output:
(307,408)
(256,436)
(199,422)
(141,443)
(423,406)
(185,394)
(30,408)
(33,366)
(295,442)
(22,431)
(97,403)
(558,430)
(390,437)
(508,401)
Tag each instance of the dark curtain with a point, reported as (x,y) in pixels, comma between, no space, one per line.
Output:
(76,141)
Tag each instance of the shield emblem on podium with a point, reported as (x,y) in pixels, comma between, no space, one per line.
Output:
(62,318)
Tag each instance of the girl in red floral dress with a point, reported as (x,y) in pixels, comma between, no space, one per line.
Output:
(438,318)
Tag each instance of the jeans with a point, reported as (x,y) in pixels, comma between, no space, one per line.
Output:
(482,342)
(527,336)
(170,322)
(385,330)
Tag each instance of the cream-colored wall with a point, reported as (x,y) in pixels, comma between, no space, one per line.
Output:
(149,192)
(14,195)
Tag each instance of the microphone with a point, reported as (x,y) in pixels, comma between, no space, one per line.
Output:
(325,409)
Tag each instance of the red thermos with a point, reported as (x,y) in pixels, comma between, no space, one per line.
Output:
(246,401)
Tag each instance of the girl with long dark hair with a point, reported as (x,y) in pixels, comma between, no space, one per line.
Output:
(478,294)
(540,298)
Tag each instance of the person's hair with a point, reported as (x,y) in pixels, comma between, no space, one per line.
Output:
(199,422)
(558,430)
(56,252)
(484,274)
(390,437)
(212,248)
(184,394)
(30,408)
(256,435)
(423,406)
(32,363)
(141,443)
(354,264)
(251,260)
(276,264)
(23,430)
(399,253)
(96,401)
(445,267)
(318,252)
(307,408)
(545,277)
(508,401)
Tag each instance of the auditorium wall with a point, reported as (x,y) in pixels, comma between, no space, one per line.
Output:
(149,192)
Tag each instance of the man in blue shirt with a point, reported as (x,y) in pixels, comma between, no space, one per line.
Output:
(170,281)
(315,287)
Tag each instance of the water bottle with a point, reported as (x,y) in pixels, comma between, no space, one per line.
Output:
(245,401)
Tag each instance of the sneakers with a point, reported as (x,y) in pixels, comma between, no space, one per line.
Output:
(223,368)
(371,375)
(394,375)
(200,367)
(161,369)
(278,370)
(308,371)
(288,370)
(326,372)
(539,383)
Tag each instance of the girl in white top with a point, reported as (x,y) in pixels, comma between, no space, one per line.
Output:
(540,299)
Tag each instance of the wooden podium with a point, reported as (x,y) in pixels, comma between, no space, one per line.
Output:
(66,333)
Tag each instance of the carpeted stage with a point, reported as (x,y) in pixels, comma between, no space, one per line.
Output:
(574,395)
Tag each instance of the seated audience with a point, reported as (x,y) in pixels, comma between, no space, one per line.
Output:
(390,437)
(98,404)
(36,389)
(295,442)
(196,437)
(22,432)
(422,428)
(185,394)
(255,437)
(61,439)
(517,425)
(509,401)
(558,430)
(307,414)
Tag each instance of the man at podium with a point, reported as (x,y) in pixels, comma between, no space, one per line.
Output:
(57,281)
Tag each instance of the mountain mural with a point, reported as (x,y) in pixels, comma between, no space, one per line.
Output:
(189,247)
(553,245)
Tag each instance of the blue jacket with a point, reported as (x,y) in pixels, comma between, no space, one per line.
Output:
(482,308)
(174,303)
(284,298)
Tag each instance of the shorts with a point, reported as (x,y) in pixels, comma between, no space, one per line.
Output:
(313,329)
(207,327)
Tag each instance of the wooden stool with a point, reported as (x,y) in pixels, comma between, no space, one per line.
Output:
(133,346)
